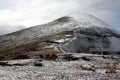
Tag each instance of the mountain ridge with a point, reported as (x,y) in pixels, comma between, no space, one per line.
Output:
(64,28)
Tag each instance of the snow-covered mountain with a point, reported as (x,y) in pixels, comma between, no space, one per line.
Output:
(72,33)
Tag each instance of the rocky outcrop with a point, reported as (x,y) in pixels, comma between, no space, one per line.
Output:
(94,40)
(22,62)
(74,33)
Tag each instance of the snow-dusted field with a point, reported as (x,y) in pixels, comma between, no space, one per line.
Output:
(60,70)
(52,73)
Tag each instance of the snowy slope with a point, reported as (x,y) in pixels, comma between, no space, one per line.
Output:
(71,22)
(84,27)
(94,39)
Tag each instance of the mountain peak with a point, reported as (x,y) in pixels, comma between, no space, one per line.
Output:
(72,33)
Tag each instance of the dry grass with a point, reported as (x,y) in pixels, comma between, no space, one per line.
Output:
(21,48)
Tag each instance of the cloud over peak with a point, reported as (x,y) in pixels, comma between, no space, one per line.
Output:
(34,12)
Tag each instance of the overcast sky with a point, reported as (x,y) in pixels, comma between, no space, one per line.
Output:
(17,14)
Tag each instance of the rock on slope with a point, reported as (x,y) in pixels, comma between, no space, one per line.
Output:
(72,33)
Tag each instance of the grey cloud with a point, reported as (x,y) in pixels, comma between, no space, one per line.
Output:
(5,29)
(4,4)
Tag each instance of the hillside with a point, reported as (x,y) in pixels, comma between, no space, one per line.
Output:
(73,33)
